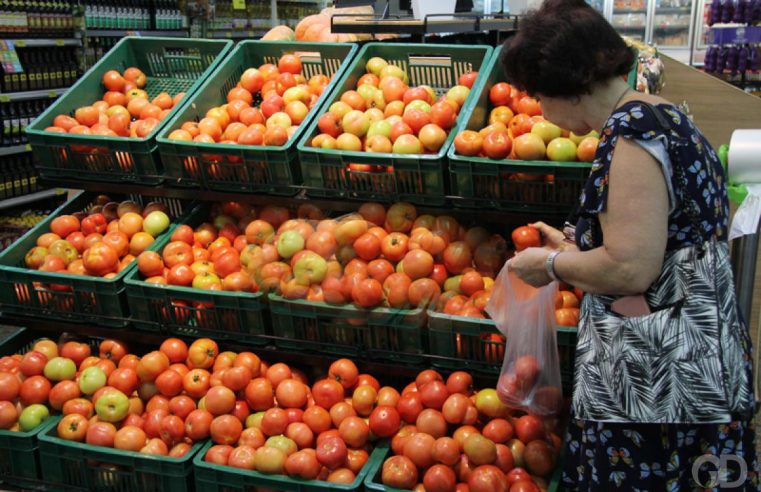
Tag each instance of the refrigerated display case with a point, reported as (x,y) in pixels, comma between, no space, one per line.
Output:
(700,33)
(598,5)
(667,24)
(630,18)
(670,25)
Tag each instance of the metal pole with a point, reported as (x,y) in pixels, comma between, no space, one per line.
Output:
(744,255)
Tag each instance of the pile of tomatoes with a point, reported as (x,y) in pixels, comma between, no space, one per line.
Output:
(124,110)
(455,437)
(271,418)
(102,241)
(375,257)
(516,129)
(264,108)
(385,114)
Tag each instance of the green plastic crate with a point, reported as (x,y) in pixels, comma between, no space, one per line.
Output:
(464,343)
(506,184)
(185,311)
(373,480)
(26,292)
(19,461)
(239,168)
(171,64)
(414,178)
(218,478)
(381,333)
(69,464)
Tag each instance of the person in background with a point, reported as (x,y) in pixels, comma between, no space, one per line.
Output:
(662,385)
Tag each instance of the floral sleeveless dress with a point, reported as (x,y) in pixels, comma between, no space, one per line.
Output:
(602,456)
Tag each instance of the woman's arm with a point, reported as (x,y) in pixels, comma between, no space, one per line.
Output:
(634,227)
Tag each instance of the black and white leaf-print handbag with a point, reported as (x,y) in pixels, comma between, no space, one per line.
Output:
(686,361)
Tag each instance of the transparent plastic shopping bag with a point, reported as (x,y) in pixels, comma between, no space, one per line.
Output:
(530,376)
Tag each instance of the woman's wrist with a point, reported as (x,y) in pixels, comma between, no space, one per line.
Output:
(550,265)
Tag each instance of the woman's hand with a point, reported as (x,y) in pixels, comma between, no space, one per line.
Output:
(551,238)
(529,266)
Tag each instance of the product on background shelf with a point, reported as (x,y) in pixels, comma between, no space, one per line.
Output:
(35,18)
(42,68)
(15,116)
(17,175)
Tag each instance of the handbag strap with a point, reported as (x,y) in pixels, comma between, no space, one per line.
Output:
(689,206)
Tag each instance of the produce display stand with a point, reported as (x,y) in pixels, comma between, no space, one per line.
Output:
(308,335)
(225,167)
(171,65)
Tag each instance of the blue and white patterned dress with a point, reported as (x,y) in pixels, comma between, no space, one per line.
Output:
(603,456)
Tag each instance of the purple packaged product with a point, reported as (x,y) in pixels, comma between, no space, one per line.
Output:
(754,60)
(742,59)
(709,63)
(727,11)
(732,60)
(749,9)
(714,12)
(740,9)
(721,59)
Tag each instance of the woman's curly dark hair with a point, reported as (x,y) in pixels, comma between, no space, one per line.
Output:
(563,49)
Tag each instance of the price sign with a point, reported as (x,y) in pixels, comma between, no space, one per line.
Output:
(239,4)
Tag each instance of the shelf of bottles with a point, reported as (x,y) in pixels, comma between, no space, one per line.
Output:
(36,19)
(134,15)
(734,36)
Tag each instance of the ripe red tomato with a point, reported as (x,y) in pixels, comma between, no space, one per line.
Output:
(73,427)
(345,372)
(151,365)
(35,390)
(439,478)
(399,472)
(64,225)
(409,407)
(419,449)
(499,94)
(524,486)
(175,349)
(124,379)
(10,386)
(33,363)
(487,478)
(225,429)
(539,457)
(259,394)
(332,452)
(198,424)
(63,392)
(169,383)
(218,454)
(112,350)
(384,421)
(202,353)
(317,418)
(526,237)
(100,258)
(529,428)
